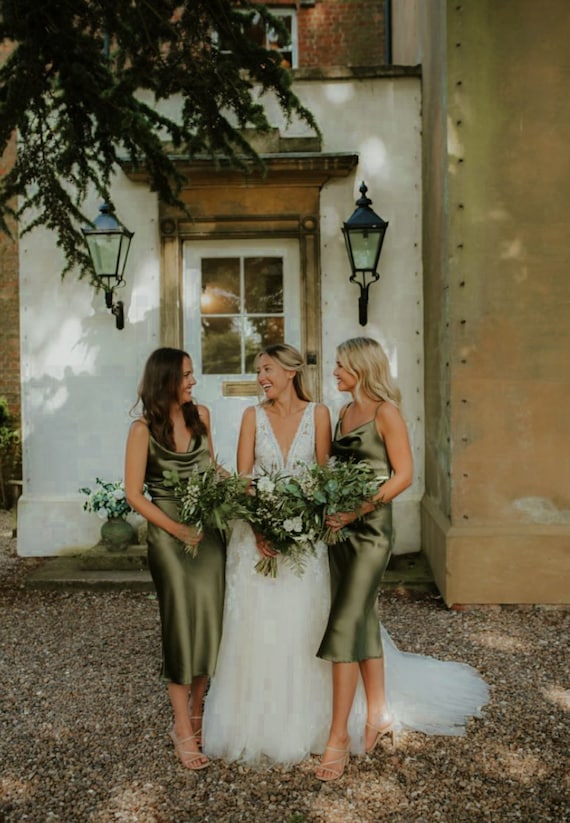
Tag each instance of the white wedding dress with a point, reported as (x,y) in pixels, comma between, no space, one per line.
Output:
(271,697)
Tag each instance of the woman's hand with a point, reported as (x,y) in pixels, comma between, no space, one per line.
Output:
(188,534)
(264,546)
(339,520)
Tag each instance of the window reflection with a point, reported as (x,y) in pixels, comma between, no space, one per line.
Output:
(242,307)
(263,284)
(261,332)
(221,345)
(220,285)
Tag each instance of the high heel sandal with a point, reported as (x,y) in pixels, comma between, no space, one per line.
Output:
(343,759)
(188,757)
(386,729)
(198,731)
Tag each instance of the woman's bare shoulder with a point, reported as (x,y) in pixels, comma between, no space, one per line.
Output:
(139,431)
(203,413)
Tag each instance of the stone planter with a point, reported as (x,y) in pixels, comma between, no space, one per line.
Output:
(117,534)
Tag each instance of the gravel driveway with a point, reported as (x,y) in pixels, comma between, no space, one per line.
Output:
(84,722)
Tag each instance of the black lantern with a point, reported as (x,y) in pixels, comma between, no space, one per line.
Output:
(364,234)
(108,242)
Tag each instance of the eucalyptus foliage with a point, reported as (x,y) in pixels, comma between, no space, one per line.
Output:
(81,80)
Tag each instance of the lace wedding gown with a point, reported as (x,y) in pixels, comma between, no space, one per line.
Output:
(271,697)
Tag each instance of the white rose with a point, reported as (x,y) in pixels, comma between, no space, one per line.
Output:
(265,485)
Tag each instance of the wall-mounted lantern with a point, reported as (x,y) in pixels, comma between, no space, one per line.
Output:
(364,234)
(108,242)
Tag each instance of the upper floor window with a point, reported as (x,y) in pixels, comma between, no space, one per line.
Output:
(267,37)
(271,40)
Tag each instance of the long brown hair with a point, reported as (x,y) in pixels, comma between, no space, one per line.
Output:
(158,390)
(289,358)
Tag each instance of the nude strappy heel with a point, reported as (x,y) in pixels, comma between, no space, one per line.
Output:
(326,767)
(385,729)
(198,731)
(190,759)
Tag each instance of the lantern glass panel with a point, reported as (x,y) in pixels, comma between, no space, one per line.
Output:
(364,246)
(105,251)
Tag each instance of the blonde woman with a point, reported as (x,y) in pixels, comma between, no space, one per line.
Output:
(270,698)
(372,429)
(415,692)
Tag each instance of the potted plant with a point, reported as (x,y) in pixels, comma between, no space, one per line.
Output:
(109,501)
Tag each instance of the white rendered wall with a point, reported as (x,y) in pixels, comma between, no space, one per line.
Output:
(381,121)
(80,374)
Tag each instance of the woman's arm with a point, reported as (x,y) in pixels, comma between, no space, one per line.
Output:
(392,429)
(204,414)
(323,434)
(246,443)
(136,457)
(245,461)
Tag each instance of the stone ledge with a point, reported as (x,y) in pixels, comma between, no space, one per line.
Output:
(99,558)
(66,573)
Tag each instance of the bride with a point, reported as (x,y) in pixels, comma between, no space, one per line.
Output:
(270,700)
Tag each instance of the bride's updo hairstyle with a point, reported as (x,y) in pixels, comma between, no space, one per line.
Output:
(158,390)
(366,360)
(291,359)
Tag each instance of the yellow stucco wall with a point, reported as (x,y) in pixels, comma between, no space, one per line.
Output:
(496,516)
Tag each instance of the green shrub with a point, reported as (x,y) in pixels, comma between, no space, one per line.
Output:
(10,454)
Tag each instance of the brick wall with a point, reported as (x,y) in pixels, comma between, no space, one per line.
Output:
(9,306)
(9,292)
(339,32)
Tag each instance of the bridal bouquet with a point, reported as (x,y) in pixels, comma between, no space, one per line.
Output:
(339,486)
(208,499)
(278,510)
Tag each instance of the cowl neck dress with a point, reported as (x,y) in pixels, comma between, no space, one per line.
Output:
(358,563)
(190,590)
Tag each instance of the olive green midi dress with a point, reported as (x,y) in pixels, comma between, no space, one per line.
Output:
(190,590)
(358,563)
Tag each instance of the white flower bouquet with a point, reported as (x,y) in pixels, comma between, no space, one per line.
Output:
(279,512)
(108,501)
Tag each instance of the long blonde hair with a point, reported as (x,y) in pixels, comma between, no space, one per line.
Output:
(291,359)
(366,360)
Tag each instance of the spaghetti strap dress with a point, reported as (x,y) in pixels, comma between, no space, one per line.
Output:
(357,564)
(190,590)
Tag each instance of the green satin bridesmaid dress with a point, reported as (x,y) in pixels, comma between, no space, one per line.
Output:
(358,564)
(190,590)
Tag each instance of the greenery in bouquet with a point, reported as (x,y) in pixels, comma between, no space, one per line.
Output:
(338,486)
(208,498)
(109,500)
(278,511)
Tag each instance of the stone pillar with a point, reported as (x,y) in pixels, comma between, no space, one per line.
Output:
(496,514)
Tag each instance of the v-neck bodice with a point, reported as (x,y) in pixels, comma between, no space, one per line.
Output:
(268,454)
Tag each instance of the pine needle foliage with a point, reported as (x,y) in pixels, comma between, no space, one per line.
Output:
(83,82)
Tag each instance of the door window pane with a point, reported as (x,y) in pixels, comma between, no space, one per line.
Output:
(220,285)
(263,284)
(221,345)
(261,332)
(242,310)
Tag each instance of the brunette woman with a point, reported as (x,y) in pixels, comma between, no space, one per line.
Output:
(173,433)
